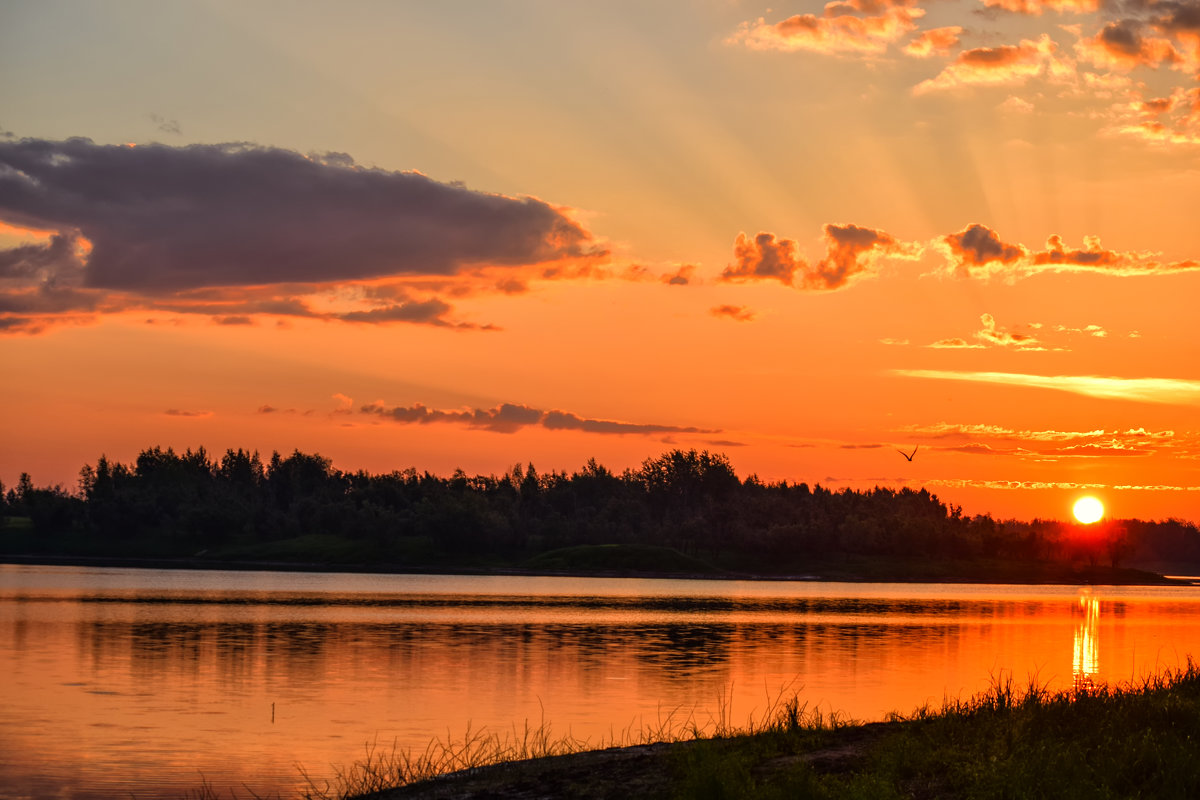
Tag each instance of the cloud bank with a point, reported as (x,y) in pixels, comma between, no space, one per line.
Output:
(978,251)
(131,225)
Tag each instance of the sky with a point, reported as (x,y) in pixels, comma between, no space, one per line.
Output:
(470,235)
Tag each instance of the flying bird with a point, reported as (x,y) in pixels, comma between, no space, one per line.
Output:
(908,456)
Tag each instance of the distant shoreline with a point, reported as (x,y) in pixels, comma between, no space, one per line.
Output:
(1095,575)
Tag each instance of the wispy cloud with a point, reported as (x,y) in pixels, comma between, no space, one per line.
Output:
(972,483)
(1174,391)
(511,417)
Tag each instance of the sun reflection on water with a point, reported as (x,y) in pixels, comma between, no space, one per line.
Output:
(1086,661)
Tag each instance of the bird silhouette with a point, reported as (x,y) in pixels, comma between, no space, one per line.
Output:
(908,456)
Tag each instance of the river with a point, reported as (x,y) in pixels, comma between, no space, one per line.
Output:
(146,683)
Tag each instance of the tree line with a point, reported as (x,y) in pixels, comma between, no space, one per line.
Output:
(171,504)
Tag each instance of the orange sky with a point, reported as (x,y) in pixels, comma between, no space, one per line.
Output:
(465,236)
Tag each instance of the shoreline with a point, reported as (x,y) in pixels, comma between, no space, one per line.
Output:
(1086,576)
(1127,739)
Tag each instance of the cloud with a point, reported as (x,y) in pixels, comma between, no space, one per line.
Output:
(166,125)
(1006,65)
(764,257)
(1016,105)
(978,251)
(978,246)
(994,335)
(1097,331)
(1173,391)
(166,218)
(1036,7)
(681,277)
(428,312)
(1034,442)
(153,226)
(1053,445)
(851,251)
(955,343)
(176,412)
(511,417)
(1122,45)
(935,41)
(1170,120)
(853,26)
(736,313)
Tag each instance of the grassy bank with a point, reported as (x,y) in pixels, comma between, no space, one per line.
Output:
(1136,740)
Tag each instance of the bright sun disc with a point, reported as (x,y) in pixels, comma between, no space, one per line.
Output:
(1088,510)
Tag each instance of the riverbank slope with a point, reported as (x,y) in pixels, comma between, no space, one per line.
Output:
(1137,740)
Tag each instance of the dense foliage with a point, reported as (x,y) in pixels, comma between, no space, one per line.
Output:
(182,504)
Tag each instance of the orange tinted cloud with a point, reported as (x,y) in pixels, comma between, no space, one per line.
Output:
(1036,7)
(860,26)
(851,252)
(763,257)
(995,66)
(1121,45)
(683,276)
(934,41)
(977,251)
(1170,120)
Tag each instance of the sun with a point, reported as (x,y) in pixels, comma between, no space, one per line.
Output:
(1088,510)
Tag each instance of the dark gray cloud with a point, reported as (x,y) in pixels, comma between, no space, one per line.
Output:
(37,261)
(511,417)
(162,218)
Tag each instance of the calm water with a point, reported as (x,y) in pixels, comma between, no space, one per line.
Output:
(122,682)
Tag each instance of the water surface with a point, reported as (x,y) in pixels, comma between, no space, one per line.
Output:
(138,682)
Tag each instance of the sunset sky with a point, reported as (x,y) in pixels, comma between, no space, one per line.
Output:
(471,234)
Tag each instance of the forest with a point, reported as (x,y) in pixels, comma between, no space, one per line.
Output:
(299,507)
